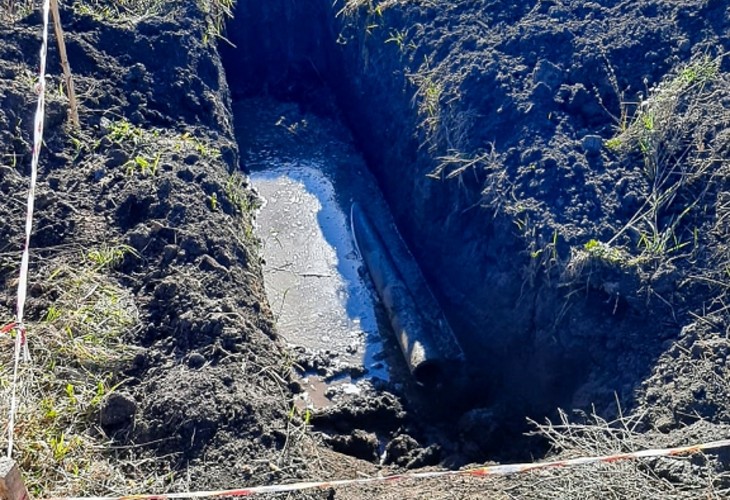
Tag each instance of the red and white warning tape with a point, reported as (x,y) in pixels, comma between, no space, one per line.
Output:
(496,470)
(20,339)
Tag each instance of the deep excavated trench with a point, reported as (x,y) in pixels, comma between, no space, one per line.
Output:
(518,362)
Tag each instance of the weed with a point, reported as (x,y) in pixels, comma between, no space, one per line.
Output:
(375,7)
(398,38)
(602,251)
(293,128)
(198,145)
(427,99)
(243,200)
(217,12)
(109,257)
(239,196)
(123,132)
(145,166)
(676,132)
(75,350)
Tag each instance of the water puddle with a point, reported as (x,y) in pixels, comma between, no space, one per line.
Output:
(307,175)
(311,273)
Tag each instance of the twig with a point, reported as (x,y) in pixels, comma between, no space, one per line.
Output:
(73,107)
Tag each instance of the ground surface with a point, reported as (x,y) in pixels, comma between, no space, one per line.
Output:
(574,226)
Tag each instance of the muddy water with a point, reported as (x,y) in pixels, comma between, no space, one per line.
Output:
(307,175)
(311,274)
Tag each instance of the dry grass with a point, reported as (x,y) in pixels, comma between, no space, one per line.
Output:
(637,479)
(12,10)
(119,11)
(376,7)
(681,133)
(128,12)
(76,351)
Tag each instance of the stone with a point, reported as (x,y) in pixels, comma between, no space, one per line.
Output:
(196,360)
(592,144)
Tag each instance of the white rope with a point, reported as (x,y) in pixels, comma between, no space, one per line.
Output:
(20,338)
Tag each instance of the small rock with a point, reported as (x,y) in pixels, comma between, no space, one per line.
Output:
(136,98)
(139,239)
(295,387)
(186,175)
(136,118)
(548,74)
(196,360)
(169,253)
(592,144)
(116,158)
(665,423)
(424,457)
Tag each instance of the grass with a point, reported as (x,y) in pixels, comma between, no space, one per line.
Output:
(146,148)
(77,350)
(244,202)
(679,134)
(591,435)
(130,12)
(12,10)
(218,12)
(678,138)
(109,257)
(375,7)
(119,11)
(428,101)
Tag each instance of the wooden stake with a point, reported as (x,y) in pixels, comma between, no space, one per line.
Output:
(73,108)
(11,484)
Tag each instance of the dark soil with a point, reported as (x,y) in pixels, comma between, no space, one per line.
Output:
(555,302)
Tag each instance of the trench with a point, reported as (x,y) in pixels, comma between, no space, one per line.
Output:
(312,143)
(299,65)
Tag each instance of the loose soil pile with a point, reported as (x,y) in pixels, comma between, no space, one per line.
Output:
(559,168)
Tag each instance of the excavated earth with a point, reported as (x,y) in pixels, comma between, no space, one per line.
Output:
(490,127)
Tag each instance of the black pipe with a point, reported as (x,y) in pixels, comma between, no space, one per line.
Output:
(428,364)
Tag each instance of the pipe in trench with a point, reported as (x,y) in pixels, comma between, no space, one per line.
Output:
(428,364)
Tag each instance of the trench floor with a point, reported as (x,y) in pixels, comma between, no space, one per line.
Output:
(307,175)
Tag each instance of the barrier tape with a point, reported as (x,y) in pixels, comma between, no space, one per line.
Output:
(495,470)
(8,328)
(20,339)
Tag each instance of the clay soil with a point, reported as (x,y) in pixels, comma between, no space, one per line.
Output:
(559,168)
